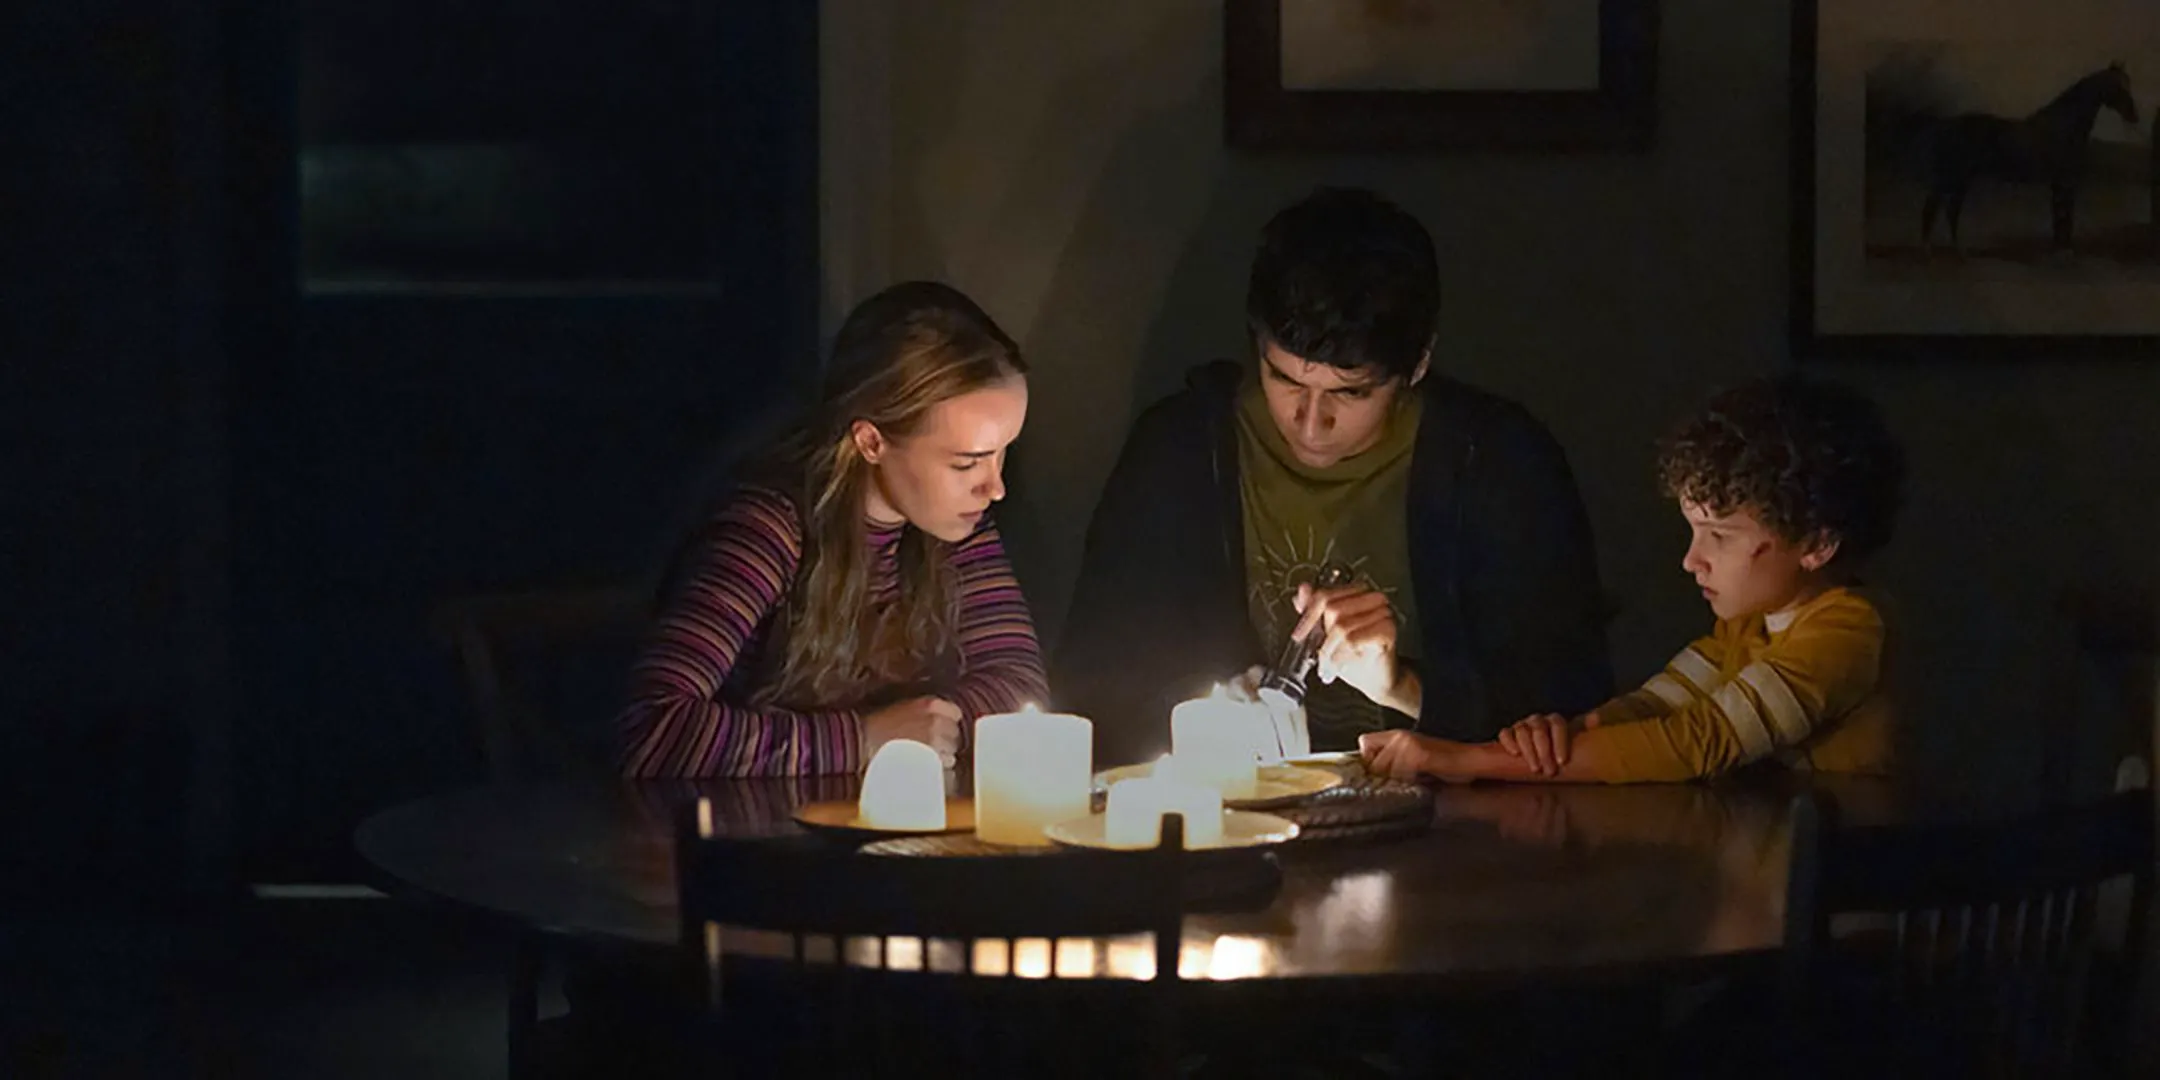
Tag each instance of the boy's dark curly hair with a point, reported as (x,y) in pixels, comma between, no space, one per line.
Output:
(1805,456)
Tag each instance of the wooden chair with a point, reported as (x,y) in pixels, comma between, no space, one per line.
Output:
(932,950)
(539,666)
(1991,958)
(519,653)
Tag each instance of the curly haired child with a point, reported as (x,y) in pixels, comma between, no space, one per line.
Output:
(1787,485)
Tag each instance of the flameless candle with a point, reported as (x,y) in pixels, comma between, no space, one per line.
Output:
(1133,815)
(1213,740)
(1032,769)
(904,788)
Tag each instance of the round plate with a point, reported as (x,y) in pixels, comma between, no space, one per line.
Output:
(1241,828)
(1329,757)
(1280,785)
(840,816)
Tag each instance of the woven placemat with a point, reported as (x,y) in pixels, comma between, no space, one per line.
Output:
(1364,807)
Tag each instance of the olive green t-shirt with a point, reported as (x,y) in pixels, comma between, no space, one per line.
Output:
(1299,518)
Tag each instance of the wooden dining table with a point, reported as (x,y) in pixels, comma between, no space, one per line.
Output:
(1509,884)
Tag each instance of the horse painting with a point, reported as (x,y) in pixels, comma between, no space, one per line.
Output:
(2048,147)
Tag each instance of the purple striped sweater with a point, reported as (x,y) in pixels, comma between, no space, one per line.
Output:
(679,721)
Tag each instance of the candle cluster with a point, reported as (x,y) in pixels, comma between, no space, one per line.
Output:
(1033,770)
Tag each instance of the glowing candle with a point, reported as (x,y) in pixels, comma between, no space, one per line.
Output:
(1214,741)
(904,788)
(1032,769)
(1133,816)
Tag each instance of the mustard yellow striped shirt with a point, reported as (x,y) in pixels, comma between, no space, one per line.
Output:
(1805,687)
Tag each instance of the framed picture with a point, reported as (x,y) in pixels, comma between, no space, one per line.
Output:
(486,146)
(1973,185)
(1408,75)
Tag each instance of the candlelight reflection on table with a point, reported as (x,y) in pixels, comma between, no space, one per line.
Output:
(1216,957)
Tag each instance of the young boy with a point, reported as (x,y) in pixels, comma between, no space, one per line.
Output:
(1787,485)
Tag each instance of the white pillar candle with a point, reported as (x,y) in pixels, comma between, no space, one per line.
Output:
(1214,738)
(1133,815)
(904,788)
(1032,769)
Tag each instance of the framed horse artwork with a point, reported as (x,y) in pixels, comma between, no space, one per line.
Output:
(1976,179)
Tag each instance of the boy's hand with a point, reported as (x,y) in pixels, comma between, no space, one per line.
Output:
(1543,739)
(1360,645)
(1404,755)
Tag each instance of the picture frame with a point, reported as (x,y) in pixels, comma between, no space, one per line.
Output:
(1427,75)
(1910,119)
(485,149)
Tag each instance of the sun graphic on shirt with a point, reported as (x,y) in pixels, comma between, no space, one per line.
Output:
(1283,568)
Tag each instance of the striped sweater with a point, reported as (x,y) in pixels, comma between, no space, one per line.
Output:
(1807,688)
(686,715)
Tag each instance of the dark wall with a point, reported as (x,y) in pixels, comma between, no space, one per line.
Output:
(112,672)
(1606,293)
(235,492)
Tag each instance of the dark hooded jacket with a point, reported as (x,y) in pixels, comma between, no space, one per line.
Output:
(1505,574)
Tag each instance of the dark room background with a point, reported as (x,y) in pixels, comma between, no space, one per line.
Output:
(320,312)
(324,311)
(1065,163)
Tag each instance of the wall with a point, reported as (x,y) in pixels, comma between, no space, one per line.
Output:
(229,507)
(1063,162)
(113,655)
(437,433)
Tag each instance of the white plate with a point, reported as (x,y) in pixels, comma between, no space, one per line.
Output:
(1241,828)
(1279,785)
(841,817)
(1329,757)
